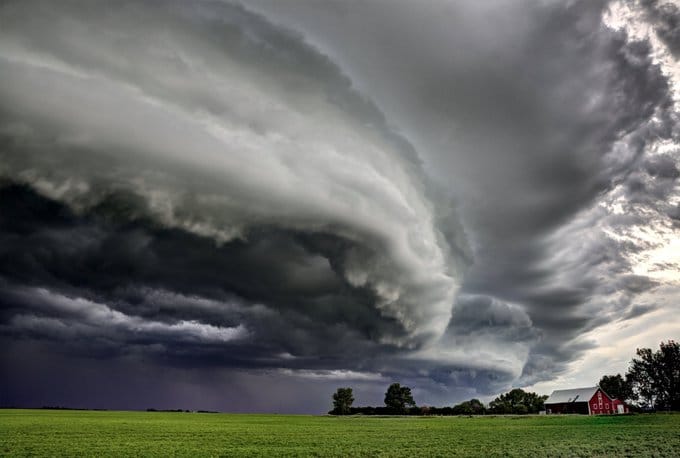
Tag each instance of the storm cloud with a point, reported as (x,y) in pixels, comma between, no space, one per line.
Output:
(291,195)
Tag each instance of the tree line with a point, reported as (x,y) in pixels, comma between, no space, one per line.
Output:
(652,382)
(399,401)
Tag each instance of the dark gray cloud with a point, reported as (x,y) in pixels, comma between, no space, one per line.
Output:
(151,278)
(309,195)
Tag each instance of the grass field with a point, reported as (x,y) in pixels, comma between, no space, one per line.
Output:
(81,433)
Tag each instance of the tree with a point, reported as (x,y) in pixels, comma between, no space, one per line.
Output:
(517,401)
(471,407)
(655,376)
(640,374)
(617,387)
(398,398)
(342,401)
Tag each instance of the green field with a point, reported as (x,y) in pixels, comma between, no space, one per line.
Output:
(78,433)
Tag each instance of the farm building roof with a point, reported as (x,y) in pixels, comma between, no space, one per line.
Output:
(575,395)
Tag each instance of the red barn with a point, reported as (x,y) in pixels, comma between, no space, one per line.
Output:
(587,401)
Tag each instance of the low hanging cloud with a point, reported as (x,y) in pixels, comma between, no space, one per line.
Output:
(306,191)
(216,131)
(80,318)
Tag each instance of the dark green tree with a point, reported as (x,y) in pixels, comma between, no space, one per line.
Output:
(517,401)
(342,401)
(655,376)
(617,387)
(398,398)
(471,407)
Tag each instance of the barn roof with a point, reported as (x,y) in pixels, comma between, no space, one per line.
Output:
(575,395)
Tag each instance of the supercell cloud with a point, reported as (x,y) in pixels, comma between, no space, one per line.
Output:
(241,206)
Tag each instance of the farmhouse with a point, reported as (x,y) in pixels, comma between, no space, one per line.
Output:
(587,401)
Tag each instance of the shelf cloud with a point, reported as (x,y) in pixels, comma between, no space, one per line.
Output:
(284,196)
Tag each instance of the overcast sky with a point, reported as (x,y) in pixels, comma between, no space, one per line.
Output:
(243,206)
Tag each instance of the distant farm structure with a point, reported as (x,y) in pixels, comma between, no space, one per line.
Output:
(586,401)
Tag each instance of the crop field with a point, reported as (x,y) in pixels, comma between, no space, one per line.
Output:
(90,433)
